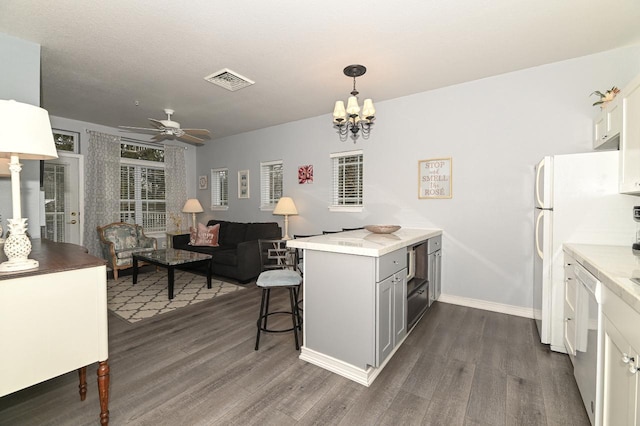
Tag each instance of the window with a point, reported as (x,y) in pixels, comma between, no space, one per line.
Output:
(347,181)
(270,184)
(142,187)
(219,189)
(66,141)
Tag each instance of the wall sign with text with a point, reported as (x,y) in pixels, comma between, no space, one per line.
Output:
(434,178)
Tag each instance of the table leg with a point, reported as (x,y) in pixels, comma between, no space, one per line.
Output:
(103,391)
(135,270)
(209,274)
(171,276)
(82,375)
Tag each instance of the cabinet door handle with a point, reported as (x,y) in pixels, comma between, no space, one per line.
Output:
(627,359)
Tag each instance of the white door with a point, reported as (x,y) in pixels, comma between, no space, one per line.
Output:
(62,189)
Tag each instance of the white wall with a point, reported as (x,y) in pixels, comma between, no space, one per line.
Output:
(495,129)
(20,80)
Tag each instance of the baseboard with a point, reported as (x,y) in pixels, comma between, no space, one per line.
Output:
(518,311)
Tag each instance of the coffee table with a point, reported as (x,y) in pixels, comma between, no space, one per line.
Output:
(171,259)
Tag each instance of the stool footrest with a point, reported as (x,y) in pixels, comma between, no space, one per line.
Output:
(270,330)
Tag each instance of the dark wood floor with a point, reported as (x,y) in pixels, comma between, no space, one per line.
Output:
(197,366)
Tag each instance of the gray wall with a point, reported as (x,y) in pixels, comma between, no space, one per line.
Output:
(495,129)
(20,80)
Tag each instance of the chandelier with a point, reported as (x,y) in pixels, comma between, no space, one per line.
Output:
(350,120)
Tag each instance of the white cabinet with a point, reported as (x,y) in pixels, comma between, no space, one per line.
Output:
(607,126)
(570,303)
(620,363)
(630,138)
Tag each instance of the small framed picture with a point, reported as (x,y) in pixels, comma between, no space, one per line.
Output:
(305,174)
(243,184)
(434,178)
(202,182)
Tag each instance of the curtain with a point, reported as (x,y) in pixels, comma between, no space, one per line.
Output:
(175,186)
(102,186)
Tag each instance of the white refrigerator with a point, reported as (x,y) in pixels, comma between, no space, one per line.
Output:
(576,201)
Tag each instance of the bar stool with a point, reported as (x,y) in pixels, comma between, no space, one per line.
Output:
(279,266)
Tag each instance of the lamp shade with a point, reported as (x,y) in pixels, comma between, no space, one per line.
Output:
(352,105)
(192,206)
(285,206)
(368,110)
(339,111)
(4,167)
(25,131)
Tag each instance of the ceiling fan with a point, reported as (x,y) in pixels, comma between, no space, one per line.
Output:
(169,129)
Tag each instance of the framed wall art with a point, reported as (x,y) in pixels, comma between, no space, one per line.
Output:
(202,182)
(305,174)
(434,178)
(243,184)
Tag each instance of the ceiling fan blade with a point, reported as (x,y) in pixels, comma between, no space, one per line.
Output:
(144,129)
(157,123)
(203,132)
(190,139)
(159,137)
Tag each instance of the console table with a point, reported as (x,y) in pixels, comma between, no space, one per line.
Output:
(53,320)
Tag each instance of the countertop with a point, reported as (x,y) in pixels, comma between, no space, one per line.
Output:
(53,257)
(614,266)
(364,243)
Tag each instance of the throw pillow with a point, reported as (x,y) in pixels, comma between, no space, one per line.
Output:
(204,235)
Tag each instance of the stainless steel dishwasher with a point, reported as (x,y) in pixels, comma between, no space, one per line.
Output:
(588,336)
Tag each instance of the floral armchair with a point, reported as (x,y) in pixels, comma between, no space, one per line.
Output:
(119,241)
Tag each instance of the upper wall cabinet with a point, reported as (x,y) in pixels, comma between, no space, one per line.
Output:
(607,126)
(630,138)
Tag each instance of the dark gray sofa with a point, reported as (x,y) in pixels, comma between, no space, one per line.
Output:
(238,255)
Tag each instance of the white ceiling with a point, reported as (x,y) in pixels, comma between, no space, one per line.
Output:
(100,57)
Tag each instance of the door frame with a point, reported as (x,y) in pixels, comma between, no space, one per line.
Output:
(80,158)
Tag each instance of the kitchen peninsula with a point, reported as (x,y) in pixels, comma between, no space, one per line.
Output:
(355,297)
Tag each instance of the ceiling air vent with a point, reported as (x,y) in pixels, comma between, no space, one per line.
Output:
(229,80)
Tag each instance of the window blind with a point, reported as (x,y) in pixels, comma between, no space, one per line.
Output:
(347,173)
(219,188)
(142,197)
(270,183)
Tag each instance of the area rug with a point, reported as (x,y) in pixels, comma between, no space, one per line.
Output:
(149,297)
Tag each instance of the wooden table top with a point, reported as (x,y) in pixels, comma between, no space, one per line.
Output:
(54,257)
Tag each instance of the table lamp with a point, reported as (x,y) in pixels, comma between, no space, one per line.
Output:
(25,132)
(285,207)
(192,206)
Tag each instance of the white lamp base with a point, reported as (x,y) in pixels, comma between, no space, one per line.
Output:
(286,228)
(18,265)
(17,247)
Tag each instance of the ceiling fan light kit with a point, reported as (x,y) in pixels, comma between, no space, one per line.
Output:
(350,119)
(169,129)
